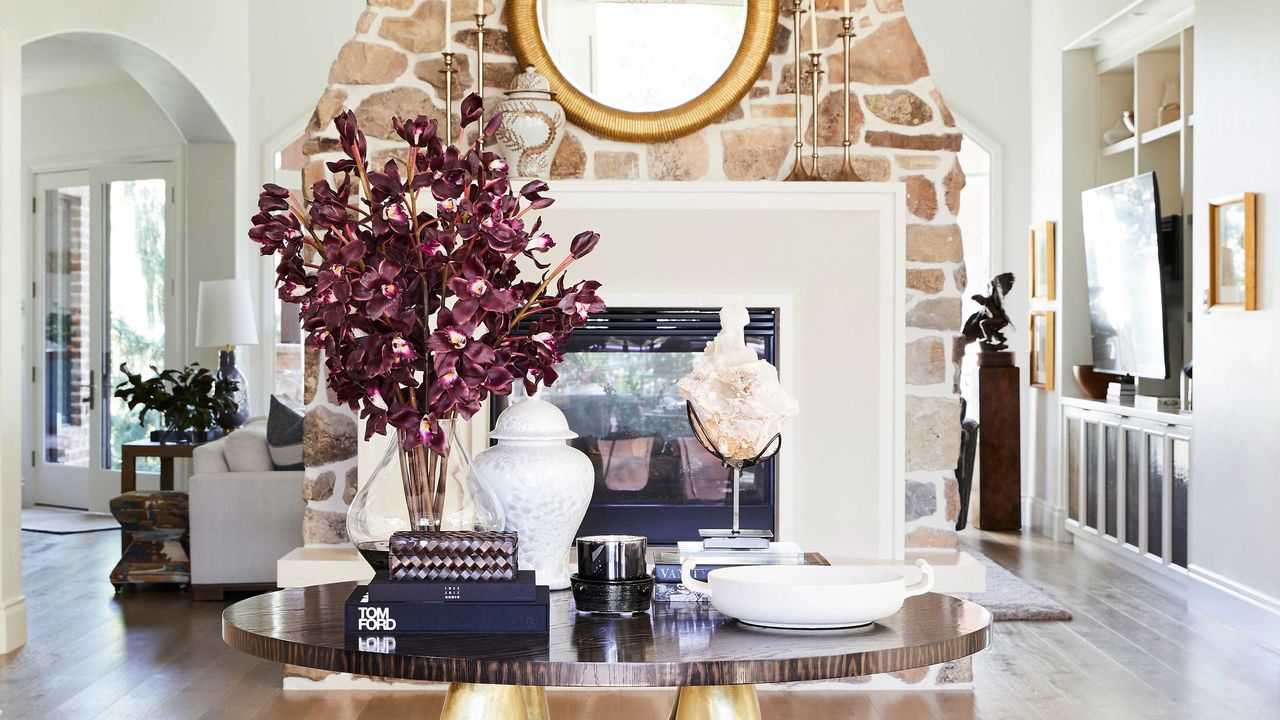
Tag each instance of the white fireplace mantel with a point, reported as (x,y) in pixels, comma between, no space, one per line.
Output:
(831,257)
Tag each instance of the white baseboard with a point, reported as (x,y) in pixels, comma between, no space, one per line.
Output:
(1239,606)
(1043,518)
(13,624)
(1168,577)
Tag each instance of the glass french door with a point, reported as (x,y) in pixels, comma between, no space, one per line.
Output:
(102,290)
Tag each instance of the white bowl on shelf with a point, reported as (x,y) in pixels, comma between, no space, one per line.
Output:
(809,597)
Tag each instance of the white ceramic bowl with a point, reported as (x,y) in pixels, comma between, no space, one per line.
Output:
(808,596)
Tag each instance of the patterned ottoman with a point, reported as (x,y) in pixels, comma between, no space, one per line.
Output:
(154,524)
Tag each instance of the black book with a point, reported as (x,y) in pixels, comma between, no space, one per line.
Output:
(365,617)
(522,589)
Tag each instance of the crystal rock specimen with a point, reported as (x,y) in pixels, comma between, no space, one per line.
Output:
(735,393)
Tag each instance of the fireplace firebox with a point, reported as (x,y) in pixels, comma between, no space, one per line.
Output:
(617,387)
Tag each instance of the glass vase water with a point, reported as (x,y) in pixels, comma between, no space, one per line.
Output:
(419,490)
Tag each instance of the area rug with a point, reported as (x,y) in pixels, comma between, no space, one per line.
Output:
(1008,597)
(59,521)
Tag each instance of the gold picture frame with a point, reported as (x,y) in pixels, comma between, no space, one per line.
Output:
(1040,329)
(1044,281)
(628,126)
(1233,252)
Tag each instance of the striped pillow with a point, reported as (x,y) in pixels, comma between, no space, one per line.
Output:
(284,436)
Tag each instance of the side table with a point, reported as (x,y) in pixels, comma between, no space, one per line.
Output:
(147,448)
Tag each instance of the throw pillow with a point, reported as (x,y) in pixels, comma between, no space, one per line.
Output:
(284,436)
(246,449)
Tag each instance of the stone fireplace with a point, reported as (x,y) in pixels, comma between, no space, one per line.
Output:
(903,133)
(904,137)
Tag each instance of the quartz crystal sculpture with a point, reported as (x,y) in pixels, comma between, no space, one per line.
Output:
(736,394)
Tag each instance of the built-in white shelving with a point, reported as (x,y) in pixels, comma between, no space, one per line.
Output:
(1123,146)
(1122,473)
(1167,130)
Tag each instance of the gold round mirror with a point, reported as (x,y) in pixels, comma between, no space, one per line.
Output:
(645,70)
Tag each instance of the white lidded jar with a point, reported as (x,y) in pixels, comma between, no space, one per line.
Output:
(543,485)
(532,126)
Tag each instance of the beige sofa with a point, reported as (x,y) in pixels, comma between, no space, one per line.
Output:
(244,514)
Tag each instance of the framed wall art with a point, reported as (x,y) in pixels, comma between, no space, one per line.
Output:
(1043,272)
(1041,331)
(1233,252)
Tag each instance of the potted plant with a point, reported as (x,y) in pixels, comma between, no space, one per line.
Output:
(188,401)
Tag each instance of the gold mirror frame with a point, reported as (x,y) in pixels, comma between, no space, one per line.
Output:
(655,126)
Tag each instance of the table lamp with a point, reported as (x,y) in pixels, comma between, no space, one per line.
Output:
(224,318)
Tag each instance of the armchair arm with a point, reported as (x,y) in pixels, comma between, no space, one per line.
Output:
(241,523)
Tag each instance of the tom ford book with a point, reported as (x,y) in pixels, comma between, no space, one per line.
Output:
(365,617)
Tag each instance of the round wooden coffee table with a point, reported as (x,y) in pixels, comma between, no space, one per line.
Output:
(714,660)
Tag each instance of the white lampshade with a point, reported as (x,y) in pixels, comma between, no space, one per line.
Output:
(225,315)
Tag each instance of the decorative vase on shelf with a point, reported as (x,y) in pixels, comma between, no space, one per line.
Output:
(418,490)
(531,126)
(1091,382)
(542,484)
(1122,130)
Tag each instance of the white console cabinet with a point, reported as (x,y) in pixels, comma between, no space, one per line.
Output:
(1124,475)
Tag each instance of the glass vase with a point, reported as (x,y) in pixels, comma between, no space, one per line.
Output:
(419,490)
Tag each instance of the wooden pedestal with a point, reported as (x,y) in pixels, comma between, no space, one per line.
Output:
(999,443)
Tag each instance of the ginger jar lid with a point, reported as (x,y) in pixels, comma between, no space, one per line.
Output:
(530,83)
(532,419)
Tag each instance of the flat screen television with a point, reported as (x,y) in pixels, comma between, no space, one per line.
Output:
(1126,286)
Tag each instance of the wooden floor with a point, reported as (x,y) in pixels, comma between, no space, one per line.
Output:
(1132,651)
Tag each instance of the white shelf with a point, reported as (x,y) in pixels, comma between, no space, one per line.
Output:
(1121,147)
(1171,128)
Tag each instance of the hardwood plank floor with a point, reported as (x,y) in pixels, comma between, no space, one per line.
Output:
(1133,651)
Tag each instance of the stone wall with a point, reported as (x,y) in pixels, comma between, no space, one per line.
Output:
(902,132)
(330,443)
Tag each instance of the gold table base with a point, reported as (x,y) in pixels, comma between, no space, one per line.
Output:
(470,701)
(717,702)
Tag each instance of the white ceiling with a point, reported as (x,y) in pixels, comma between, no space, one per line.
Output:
(54,64)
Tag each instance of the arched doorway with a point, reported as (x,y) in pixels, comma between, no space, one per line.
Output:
(109,266)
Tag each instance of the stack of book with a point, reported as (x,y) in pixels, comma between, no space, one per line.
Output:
(1121,392)
(392,607)
(667,566)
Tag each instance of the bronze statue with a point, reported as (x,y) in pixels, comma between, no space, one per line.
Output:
(987,325)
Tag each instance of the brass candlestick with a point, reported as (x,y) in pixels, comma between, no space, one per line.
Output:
(798,171)
(448,72)
(480,68)
(847,173)
(815,77)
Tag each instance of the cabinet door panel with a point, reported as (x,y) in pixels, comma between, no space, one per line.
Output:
(1132,485)
(1179,471)
(1111,478)
(1074,438)
(1155,494)
(1092,477)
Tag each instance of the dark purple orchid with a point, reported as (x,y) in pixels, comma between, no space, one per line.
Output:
(408,278)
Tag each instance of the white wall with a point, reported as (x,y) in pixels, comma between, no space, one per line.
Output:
(1235,459)
(1054,25)
(977,51)
(291,46)
(124,117)
(13,608)
(206,42)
